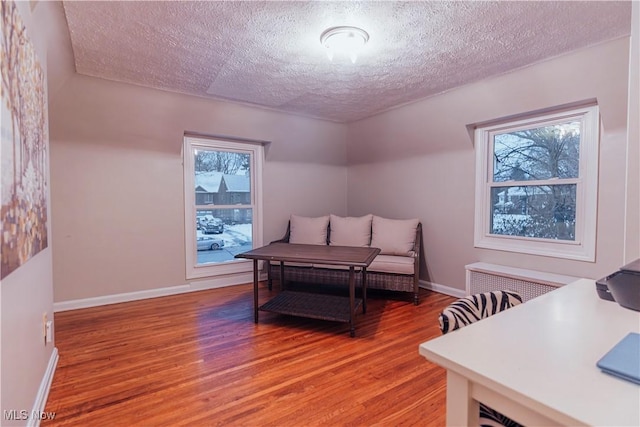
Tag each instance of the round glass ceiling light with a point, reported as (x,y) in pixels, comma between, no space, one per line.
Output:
(344,40)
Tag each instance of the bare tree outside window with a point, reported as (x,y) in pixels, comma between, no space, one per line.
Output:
(524,159)
(538,154)
(222,204)
(226,162)
(537,183)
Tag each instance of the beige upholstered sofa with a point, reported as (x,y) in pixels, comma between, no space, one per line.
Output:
(396,268)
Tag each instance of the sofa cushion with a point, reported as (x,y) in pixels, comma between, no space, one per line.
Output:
(350,231)
(392,264)
(308,231)
(394,236)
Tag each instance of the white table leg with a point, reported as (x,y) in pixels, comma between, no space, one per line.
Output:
(462,410)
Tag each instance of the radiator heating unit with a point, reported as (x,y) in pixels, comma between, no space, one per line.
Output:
(484,277)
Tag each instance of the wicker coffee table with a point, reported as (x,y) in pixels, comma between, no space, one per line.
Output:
(309,304)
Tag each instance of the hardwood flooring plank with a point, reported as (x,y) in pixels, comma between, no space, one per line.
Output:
(199,359)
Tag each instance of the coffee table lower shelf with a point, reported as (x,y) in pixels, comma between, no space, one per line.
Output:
(314,306)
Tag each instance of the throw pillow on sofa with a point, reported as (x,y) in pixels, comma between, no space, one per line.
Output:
(394,236)
(308,231)
(350,231)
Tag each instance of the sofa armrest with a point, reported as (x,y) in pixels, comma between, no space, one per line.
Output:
(417,245)
(285,238)
(417,248)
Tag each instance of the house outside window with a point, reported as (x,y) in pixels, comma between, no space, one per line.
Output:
(537,184)
(222,205)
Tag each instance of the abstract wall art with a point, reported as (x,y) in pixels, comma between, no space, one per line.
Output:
(23,145)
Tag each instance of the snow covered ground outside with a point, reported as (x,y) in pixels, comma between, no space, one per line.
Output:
(510,224)
(233,235)
(237,239)
(236,235)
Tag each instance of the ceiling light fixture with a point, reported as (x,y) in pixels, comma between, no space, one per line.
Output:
(344,40)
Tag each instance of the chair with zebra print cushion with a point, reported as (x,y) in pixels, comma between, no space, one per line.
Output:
(468,310)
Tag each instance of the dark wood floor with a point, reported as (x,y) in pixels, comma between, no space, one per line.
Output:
(199,359)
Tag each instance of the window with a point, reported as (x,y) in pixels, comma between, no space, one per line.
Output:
(222,204)
(536,184)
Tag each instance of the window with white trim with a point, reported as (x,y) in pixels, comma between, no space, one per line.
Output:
(223,198)
(537,184)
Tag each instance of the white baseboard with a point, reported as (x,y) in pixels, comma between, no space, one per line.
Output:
(447,290)
(199,285)
(37,412)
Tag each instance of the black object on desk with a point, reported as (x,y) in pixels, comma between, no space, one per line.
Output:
(623,286)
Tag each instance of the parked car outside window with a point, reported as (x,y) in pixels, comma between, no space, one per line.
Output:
(210,224)
(206,243)
(214,226)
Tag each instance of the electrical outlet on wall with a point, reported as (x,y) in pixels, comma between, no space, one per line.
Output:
(49,331)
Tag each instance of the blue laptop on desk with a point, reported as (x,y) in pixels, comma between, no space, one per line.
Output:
(623,360)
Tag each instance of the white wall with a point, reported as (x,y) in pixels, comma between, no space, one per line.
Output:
(116,158)
(27,293)
(117,186)
(632,223)
(418,160)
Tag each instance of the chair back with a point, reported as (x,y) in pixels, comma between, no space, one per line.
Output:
(468,310)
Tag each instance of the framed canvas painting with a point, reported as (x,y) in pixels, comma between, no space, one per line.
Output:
(23,145)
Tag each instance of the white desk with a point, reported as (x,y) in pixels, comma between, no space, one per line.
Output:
(536,362)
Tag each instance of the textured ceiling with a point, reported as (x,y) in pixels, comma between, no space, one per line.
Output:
(269,53)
